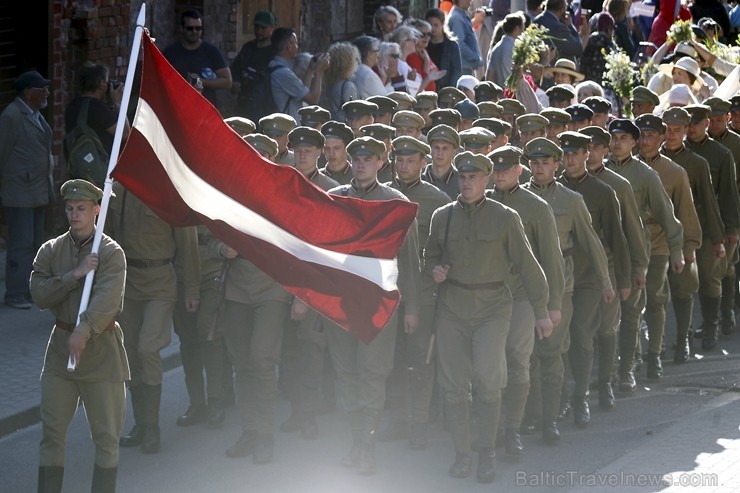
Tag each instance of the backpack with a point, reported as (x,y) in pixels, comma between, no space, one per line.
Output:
(259,101)
(86,156)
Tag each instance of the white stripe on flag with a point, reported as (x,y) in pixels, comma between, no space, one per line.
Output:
(205,199)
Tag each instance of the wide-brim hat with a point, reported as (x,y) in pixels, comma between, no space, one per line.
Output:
(687,64)
(565,66)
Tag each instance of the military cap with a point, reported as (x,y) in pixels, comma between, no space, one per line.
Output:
(487,91)
(561,92)
(313,115)
(476,137)
(572,141)
(444,132)
(405,118)
(718,106)
(385,104)
(512,107)
(450,96)
(446,116)
(306,137)
(489,109)
(263,144)
(404,100)
(495,125)
(357,108)
(505,157)
(277,124)
(378,131)
(650,122)
(556,116)
(406,145)
(339,130)
(698,112)
(624,125)
(467,161)
(242,126)
(542,147)
(31,79)
(81,190)
(598,135)
(676,115)
(468,110)
(579,112)
(735,102)
(642,94)
(366,146)
(598,104)
(426,100)
(531,122)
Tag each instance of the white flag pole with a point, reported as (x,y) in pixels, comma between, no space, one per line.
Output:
(71,362)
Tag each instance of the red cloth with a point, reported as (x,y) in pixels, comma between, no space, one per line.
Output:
(415,61)
(335,253)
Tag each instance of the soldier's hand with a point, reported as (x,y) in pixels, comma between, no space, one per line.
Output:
(731,240)
(544,328)
(640,282)
(677,266)
(718,250)
(555,317)
(624,293)
(689,258)
(192,305)
(439,273)
(410,323)
(90,262)
(75,345)
(608,295)
(227,252)
(298,310)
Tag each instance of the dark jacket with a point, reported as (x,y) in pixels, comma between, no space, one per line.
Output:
(451,62)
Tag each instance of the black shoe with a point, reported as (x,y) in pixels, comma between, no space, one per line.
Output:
(264,448)
(134,437)
(627,382)
(728,322)
(606,396)
(19,302)
(419,439)
(293,423)
(151,442)
(216,416)
(683,351)
(581,412)
(698,332)
(709,341)
(244,446)
(637,364)
(367,465)
(352,459)
(565,408)
(654,367)
(104,479)
(396,430)
(460,469)
(550,433)
(486,465)
(193,416)
(514,445)
(310,429)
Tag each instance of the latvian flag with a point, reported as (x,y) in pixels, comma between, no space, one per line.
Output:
(335,253)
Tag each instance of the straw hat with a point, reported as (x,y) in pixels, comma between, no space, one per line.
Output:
(567,67)
(687,64)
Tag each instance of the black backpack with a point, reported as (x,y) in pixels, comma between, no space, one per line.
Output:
(86,156)
(259,101)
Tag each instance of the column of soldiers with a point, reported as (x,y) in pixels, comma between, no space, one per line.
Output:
(541,243)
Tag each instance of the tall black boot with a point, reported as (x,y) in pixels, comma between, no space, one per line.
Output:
(682,309)
(136,435)
(710,314)
(654,366)
(104,479)
(50,479)
(728,305)
(458,424)
(151,440)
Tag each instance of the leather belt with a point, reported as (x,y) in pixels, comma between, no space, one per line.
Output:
(567,252)
(145,263)
(70,327)
(477,285)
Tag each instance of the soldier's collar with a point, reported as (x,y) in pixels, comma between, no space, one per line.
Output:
(313,174)
(615,162)
(541,187)
(649,160)
(578,179)
(405,186)
(700,143)
(474,205)
(385,165)
(664,149)
(81,244)
(598,170)
(342,171)
(357,188)
(445,179)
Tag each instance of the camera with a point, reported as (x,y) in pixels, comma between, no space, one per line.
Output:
(488,11)
(193,80)
(315,58)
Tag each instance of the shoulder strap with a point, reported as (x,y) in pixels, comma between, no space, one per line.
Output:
(82,115)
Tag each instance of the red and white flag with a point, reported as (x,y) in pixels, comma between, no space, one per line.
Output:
(335,253)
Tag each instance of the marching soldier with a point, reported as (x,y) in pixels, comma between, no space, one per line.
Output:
(359,113)
(95,344)
(385,134)
(277,126)
(336,137)
(445,143)
(264,145)
(470,260)
(386,108)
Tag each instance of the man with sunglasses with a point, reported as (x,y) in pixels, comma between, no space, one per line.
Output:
(252,58)
(197,60)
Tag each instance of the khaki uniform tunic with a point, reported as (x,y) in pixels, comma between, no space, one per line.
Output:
(448,184)
(343,177)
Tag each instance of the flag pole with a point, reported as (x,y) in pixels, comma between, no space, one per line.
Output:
(86,290)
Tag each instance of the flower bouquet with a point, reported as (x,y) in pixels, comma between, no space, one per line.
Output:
(680,31)
(527,48)
(619,75)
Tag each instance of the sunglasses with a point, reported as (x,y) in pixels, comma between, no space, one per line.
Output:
(394,55)
(194,28)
